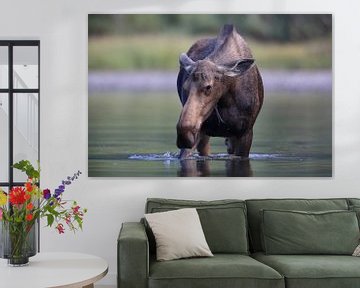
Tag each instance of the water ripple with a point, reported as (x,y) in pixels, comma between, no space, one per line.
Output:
(174,156)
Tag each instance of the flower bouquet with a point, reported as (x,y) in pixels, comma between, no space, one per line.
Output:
(21,208)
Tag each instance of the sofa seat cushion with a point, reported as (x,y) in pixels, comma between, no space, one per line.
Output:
(313,271)
(222,270)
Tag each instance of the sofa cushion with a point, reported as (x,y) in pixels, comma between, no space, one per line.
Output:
(354,205)
(222,270)
(313,271)
(254,216)
(223,221)
(356,209)
(178,234)
(297,232)
(353,201)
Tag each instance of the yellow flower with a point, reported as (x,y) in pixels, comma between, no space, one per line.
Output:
(3,198)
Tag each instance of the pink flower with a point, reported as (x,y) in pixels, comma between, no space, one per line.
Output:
(76,210)
(60,228)
(68,219)
(1,212)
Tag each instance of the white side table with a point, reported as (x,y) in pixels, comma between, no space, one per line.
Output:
(60,270)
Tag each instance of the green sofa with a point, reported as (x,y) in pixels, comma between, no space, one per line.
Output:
(243,238)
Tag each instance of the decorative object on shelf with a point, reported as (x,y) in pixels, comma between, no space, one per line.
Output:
(21,208)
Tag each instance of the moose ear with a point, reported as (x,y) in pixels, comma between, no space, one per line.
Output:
(239,68)
(186,62)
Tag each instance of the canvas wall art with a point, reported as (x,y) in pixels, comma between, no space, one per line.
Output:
(220,95)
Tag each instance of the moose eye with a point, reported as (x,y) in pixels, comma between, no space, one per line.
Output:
(207,89)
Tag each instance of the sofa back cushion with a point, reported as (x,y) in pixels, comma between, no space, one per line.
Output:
(356,209)
(353,201)
(354,205)
(298,232)
(223,221)
(255,206)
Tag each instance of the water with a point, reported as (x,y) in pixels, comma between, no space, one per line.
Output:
(133,134)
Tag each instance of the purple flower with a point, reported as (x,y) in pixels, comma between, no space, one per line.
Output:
(68,181)
(58,192)
(46,194)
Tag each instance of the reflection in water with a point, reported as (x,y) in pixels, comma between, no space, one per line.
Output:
(194,168)
(238,167)
(234,167)
(215,165)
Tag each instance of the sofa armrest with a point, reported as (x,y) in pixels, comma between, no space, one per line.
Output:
(133,256)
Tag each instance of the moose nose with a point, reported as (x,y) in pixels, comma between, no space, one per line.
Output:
(186,136)
(185,140)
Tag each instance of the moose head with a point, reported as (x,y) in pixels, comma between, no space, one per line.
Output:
(206,83)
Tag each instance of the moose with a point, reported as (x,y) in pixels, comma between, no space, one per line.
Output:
(221,91)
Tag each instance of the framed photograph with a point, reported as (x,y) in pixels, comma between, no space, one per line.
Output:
(220,95)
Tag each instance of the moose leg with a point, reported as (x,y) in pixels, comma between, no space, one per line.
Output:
(230,145)
(240,146)
(204,146)
(185,153)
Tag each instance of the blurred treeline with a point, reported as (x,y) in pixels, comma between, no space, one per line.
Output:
(147,42)
(263,27)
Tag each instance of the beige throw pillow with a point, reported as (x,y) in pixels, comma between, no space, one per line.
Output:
(178,234)
(357,251)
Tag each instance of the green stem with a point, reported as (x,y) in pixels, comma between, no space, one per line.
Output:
(18,238)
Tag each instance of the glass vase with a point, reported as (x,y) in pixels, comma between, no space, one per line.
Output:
(18,242)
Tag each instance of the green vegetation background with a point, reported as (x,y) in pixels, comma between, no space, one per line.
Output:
(144,42)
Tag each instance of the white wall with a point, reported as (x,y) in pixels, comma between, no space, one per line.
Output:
(61,25)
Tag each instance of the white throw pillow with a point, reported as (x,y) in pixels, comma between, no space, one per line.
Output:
(178,234)
(357,251)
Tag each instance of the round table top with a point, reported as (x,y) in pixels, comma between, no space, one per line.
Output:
(54,270)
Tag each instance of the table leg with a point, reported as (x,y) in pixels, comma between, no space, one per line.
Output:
(89,286)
